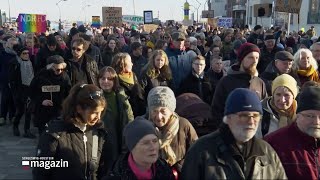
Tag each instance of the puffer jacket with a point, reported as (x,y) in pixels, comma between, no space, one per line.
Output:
(121,170)
(234,79)
(215,156)
(64,141)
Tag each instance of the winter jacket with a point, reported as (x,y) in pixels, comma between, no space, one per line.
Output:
(270,73)
(136,96)
(184,139)
(180,64)
(64,141)
(138,63)
(234,79)
(298,152)
(196,111)
(148,82)
(6,57)
(200,86)
(216,156)
(215,78)
(266,58)
(115,127)
(47,78)
(90,67)
(94,53)
(43,54)
(253,38)
(107,57)
(122,171)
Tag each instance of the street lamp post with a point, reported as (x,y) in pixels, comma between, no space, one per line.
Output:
(198,10)
(9,11)
(85,12)
(60,27)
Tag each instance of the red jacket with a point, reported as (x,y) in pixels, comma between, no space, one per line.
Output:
(298,152)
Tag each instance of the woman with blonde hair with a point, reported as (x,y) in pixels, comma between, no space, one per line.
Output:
(305,66)
(157,72)
(122,64)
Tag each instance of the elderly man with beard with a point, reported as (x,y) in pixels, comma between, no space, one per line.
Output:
(232,152)
(240,75)
(298,144)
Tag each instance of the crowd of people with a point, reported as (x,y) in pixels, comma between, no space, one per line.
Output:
(173,103)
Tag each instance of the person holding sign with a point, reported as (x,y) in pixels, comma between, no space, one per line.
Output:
(49,88)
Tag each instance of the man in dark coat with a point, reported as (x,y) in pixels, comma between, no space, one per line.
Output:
(255,34)
(241,75)
(233,152)
(52,48)
(282,65)
(81,68)
(297,144)
(268,53)
(138,60)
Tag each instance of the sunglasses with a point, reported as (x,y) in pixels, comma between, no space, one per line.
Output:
(76,49)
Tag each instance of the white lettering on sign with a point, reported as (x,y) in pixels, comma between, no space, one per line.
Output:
(53,88)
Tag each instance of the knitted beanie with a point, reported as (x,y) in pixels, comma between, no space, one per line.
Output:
(309,99)
(286,81)
(136,130)
(245,49)
(242,99)
(161,96)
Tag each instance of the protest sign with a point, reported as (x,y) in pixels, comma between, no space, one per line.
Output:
(225,22)
(96,21)
(51,89)
(132,19)
(290,6)
(32,23)
(148,17)
(150,27)
(112,16)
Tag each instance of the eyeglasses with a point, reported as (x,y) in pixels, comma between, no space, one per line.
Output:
(76,49)
(310,116)
(249,116)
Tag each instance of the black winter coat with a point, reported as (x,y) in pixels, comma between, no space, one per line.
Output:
(199,86)
(266,58)
(89,66)
(66,141)
(234,79)
(43,54)
(136,96)
(47,78)
(122,171)
(216,156)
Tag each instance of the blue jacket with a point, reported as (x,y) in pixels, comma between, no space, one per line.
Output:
(181,65)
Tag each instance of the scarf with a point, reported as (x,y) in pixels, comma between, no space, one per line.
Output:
(166,136)
(26,71)
(311,73)
(286,117)
(127,77)
(137,172)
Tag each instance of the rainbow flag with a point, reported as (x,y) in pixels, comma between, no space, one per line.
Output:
(32,23)
(96,21)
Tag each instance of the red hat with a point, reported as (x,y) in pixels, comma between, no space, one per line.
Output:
(245,49)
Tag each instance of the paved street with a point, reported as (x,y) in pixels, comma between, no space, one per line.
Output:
(12,149)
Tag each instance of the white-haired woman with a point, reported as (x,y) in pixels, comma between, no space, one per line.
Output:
(305,66)
(48,105)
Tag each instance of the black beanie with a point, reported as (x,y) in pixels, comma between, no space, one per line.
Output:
(51,40)
(136,130)
(309,99)
(245,49)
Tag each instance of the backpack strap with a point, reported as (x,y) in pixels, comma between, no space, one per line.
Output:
(265,124)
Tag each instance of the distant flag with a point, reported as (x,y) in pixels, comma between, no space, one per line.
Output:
(32,23)
(96,21)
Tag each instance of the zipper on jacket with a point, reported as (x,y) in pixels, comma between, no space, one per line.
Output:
(85,154)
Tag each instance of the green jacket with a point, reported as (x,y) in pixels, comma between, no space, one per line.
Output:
(115,127)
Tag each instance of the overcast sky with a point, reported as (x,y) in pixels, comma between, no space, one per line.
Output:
(80,9)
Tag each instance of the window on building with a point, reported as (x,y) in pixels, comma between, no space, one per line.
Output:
(314,15)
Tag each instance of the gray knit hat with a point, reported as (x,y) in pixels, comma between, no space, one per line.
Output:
(136,130)
(161,96)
